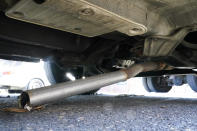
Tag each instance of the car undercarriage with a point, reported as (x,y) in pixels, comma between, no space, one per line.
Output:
(106,34)
(90,37)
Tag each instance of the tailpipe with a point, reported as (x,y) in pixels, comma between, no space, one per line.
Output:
(56,92)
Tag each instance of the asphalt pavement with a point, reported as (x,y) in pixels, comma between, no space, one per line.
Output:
(104,113)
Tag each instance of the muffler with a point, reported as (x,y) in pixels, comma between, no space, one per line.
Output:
(56,92)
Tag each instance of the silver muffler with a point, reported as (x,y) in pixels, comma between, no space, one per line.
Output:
(56,92)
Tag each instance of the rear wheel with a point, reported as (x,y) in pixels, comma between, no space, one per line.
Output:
(144,81)
(57,74)
(53,72)
(156,84)
(192,81)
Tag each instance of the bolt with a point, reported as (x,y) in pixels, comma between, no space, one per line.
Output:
(135,30)
(87,12)
(18,14)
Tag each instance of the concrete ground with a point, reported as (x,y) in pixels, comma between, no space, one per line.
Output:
(104,113)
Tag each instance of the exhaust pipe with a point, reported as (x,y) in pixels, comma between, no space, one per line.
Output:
(56,92)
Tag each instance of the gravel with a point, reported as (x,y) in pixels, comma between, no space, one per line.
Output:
(104,113)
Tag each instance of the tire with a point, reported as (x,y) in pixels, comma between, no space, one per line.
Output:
(56,74)
(157,84)
(35,83)
(144,81)
(192,82)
